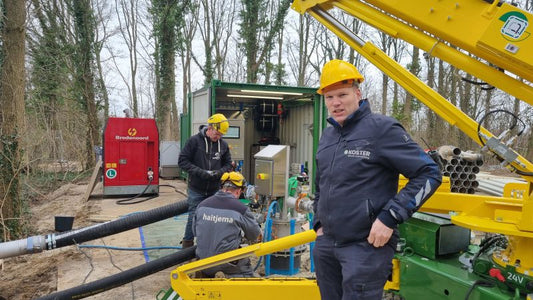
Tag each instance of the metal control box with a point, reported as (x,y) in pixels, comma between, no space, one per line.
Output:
(169,152)
(271,169)
(433,236)
(131,156)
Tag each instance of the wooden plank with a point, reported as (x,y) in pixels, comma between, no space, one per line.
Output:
(94,179)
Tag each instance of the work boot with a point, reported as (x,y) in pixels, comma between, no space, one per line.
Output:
(187,244)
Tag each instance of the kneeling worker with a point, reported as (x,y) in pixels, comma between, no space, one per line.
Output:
(219,223)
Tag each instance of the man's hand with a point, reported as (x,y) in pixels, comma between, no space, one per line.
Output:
(216,174)
(379,234)
(319,231)
(205,174)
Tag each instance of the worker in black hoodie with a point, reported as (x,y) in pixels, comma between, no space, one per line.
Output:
(205,157)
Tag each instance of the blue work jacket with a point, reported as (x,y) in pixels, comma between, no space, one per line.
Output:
(358,167)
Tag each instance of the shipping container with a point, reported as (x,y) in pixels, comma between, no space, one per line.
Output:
(260,115)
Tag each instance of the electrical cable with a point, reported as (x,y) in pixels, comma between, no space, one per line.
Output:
(90,263)
(485,86)
(127,201)
(119,268)
(515,119)
(485,244)
(482,283)
(175,189)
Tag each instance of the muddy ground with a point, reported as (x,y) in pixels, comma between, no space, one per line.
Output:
(31,276)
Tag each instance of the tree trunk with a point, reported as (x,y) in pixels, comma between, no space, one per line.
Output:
(414,67)
(251,25)
(431,116)
(454,137)
(101,82)
(385,46)
(464,104)
(303,49)
(85,28)
(280,70)
(384,93)
(185,51)
(529,153)
(441,134)
(165,16)
(12,117)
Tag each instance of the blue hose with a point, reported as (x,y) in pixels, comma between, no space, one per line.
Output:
(310,216)
(266,237)
(291,253)
(130,248)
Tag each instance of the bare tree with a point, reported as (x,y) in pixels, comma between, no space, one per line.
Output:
(127,14)
(216,28)
(440,133)
(465,96)
(102,15)
(299,52)
(185,51)
(85,28)
(168,17)
(257,33)
(413,67)
(387,47)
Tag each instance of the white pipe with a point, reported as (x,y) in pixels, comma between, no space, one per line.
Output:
(490,189)
(304,205)
(32,244)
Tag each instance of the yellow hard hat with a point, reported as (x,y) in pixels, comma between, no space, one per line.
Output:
(233,178)
(336,71)
(219,122)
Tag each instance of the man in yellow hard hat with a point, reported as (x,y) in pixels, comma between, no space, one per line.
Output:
(218,224)
(205,157)
(357,204)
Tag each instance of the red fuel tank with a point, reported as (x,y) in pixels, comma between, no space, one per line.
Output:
(131,156)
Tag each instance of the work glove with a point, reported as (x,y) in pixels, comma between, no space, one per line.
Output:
(215,174)
(204,174)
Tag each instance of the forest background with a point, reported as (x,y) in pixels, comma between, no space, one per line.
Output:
(67,65)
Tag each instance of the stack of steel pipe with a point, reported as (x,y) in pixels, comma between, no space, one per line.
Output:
(494,185)
(461,167)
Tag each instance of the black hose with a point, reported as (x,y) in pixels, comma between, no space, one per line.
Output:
(175,189)
(109,228)
(113,281)
(128,201)
(486,244)
(480,282)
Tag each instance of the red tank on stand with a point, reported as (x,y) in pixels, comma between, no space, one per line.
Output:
(131,156)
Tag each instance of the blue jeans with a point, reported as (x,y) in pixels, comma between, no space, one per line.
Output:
(194,198)
(356,271)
